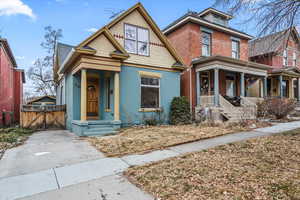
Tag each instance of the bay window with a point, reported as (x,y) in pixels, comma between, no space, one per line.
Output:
(136,40)
(150,92)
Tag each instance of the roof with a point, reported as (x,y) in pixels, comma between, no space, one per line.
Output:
(292,71)
(214,11)
(36,99)
(194,17)
(203,59)
(62,52)
(120,51)
(270,43)
(7,48)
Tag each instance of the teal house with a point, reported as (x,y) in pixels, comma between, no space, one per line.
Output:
(124,74)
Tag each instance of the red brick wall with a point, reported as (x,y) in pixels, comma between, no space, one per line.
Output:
(187,42)
(276,61)
(10,87)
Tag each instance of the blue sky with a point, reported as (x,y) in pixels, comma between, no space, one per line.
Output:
(22,22)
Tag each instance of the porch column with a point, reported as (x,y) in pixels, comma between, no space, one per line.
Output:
(265,87)
(198,88)
(280,87)
(216,86)
(83,95)
(242,79)
(117,96)
(298,87)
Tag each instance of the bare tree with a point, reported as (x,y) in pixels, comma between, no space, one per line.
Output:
(42,74)
(113,12)
(269,15)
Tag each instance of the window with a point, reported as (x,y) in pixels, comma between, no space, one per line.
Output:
(206,44)
(294,59)
(150,92)
(107,91)
(136,40)
(235,49)
(285,58)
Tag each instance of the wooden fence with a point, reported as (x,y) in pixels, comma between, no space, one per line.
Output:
(43,116)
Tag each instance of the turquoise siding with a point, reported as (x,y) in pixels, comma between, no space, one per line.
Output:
(130,95)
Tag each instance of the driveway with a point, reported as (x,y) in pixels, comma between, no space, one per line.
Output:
(45,150)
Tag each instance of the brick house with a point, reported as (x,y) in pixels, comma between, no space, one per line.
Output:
(220,76)
(11,85)
(281,51)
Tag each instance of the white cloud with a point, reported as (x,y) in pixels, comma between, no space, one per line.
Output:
(92,30)
(15,7)
(20,57)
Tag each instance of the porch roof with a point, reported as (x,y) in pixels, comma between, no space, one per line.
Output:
(231,64)
(287,71)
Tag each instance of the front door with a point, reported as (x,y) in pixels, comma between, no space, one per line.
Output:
(92,99)
(230,85)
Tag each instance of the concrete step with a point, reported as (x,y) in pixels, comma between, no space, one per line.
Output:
(100,122)
(100,131)
(93,126)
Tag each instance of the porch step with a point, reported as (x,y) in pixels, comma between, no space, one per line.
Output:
(99,131)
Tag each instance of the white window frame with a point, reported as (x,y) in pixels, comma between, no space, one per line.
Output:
(285,58)
(136,40)
(294,59)
(238,51)
(205,45)
(150,86)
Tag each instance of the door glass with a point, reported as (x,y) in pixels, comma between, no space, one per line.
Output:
(230,88)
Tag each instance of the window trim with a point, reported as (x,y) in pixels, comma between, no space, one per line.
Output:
(238,52)
(285,58)
(294,59)
(210,43)
(151,86)
(137,41)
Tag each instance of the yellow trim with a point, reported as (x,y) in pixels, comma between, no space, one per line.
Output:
(95,66)
(117,96)
(149,110)
(109,36)
(107,110)
(152,24)
(149,20)
(150,74)
(83,95)
(149,67)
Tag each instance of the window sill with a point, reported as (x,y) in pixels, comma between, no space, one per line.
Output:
(107,110)
(150,110)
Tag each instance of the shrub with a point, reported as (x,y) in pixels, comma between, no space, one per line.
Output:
(277,107)
(180,111)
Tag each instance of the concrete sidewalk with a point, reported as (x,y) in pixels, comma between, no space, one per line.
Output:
(57,179)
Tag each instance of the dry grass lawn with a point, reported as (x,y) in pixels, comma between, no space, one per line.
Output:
(265,168)
(145,139)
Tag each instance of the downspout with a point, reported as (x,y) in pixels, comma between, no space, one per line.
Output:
(191,94)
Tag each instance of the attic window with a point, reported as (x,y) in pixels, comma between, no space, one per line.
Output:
(136,40)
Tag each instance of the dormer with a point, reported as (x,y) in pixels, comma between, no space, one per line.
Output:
(215,16)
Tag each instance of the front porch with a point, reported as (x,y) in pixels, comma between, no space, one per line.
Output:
(99,102)
(284,83)
(230,88)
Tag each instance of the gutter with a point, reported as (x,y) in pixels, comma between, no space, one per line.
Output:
(202,22)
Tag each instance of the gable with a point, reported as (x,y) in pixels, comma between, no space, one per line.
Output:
(102,45)
(159,55)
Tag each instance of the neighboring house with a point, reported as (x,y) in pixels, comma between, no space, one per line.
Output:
(11,85)
(124,73)
(220,75)
(281,51)
(43,100)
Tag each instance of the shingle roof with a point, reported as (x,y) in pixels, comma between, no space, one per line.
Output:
(268,44)
(196,15)
(62,52)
